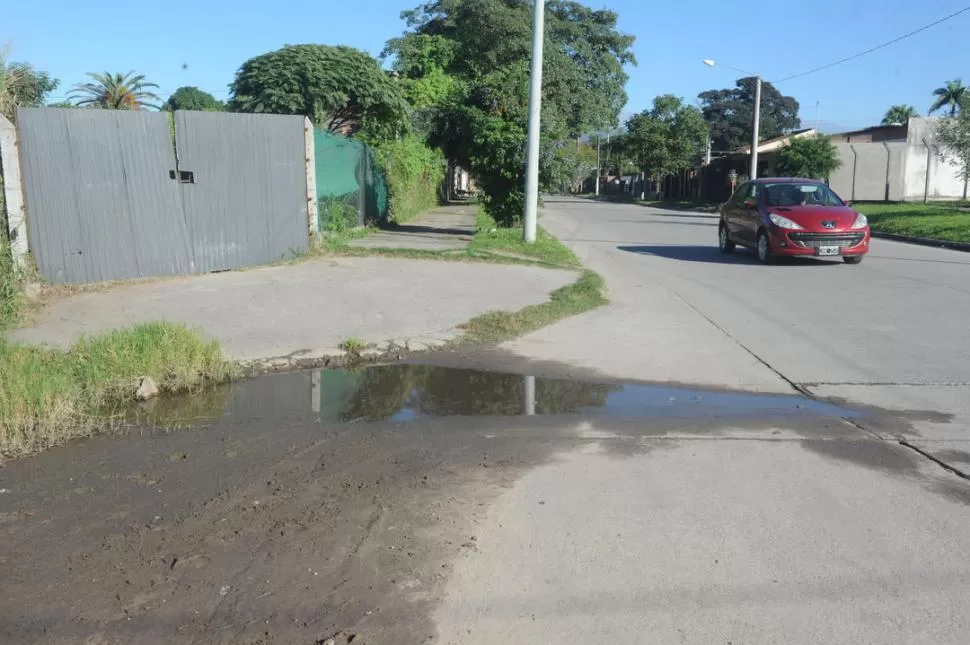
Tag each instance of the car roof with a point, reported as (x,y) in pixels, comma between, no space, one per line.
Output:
(786,180)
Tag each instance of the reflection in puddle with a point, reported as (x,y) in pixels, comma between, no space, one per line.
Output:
(404,393)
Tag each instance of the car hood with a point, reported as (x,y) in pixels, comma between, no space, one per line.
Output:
(811,217)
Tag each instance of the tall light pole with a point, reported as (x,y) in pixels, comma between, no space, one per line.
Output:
(753,173)
(535,109)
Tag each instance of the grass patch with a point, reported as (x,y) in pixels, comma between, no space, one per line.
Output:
(48,396)
(935,221)
(586,293)
(495,240)
(352,345)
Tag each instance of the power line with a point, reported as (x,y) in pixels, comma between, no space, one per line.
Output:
(877,47)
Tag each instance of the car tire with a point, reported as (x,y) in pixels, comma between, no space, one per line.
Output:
(763,249)
(724,242)
(852,259)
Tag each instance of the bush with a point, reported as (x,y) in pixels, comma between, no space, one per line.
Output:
(48,396)
(11,286)
(414,173)
(337,215)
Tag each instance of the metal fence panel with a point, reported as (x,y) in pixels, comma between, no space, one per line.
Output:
(101,203)
(243,183)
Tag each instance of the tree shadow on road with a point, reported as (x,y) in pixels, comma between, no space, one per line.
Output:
(712,255)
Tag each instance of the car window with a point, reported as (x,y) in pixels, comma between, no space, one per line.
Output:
(739,194)
(800,194)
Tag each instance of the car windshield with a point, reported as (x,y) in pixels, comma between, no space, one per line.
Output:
(803,194)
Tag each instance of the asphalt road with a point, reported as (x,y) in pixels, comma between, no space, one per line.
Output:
(736,536)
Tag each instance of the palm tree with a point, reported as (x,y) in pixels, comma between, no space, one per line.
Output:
(949,96)
(116,92)
(899,115)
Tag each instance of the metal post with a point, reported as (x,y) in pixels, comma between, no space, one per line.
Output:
(757,124)
(535,108)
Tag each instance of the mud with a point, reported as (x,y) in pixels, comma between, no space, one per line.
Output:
(307,506)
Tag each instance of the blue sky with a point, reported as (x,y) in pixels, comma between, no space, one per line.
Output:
(69,38)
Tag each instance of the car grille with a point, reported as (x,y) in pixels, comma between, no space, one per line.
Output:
(815,240)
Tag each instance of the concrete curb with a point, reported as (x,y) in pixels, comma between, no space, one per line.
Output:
(923,241)
(335,357)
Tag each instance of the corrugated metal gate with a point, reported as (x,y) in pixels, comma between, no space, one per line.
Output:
(106,199)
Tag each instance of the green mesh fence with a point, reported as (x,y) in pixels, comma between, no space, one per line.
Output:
(351,188)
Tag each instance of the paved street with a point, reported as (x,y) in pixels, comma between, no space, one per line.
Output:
(733,536)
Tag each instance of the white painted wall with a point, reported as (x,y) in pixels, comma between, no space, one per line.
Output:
(922,152)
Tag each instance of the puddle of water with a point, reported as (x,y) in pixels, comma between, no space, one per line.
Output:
(406,393)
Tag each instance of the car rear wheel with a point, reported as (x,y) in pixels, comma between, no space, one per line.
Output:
(764,249)
(724,240)
(852,259)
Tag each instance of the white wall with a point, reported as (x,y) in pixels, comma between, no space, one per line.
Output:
(922,151)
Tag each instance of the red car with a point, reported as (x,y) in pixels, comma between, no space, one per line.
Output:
(785,217)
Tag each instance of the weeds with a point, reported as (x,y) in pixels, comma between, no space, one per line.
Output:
(11,287)
(48,396)
(352,346)
(586,293)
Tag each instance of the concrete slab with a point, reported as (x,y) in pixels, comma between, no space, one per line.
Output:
(307,307)
(448,228)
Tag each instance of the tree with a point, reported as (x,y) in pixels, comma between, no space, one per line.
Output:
(569,167)
(115,92)
(22,86)
(668,138)
(815,157)
(484,48)
(949,96)
(953,135)
(730,114)
(899,115)
(192,98)
(339,88)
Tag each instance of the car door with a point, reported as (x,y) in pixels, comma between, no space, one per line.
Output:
(749,214)
(731,211)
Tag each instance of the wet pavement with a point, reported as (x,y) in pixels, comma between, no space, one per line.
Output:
(422,502)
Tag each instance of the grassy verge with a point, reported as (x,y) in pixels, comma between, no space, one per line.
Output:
(935,221)
(49,396)
(588,292)
(491,239)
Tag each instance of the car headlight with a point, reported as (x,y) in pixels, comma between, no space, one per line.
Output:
(784,222)
(861,221)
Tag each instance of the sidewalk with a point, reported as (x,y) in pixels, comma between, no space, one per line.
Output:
(302,312)
(446,228)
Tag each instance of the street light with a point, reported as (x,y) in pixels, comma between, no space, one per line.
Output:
(535,109)
(757,113)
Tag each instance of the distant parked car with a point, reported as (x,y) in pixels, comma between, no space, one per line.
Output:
(784,217)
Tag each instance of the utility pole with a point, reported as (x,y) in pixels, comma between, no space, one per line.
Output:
(597,189)
(757,124)
(535,109)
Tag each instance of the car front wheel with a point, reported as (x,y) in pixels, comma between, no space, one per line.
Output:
(724,240)
(764,248)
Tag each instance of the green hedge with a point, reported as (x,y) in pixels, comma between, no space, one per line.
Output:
(414,174)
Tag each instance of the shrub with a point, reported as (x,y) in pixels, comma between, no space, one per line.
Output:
(414,173)
(337,215)
(11,286)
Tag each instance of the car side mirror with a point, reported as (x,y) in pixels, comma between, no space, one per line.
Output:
(750,202)
(848,202)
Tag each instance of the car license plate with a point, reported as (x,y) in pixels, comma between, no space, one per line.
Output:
(828,250)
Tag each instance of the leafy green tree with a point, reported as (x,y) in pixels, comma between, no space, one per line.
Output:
(899,115)
(339,88)
(115,92)
(815,157)
(668,138)
(192,98)
(22,86)
(949,96)
(953,135)
(731,114)
(484,48)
